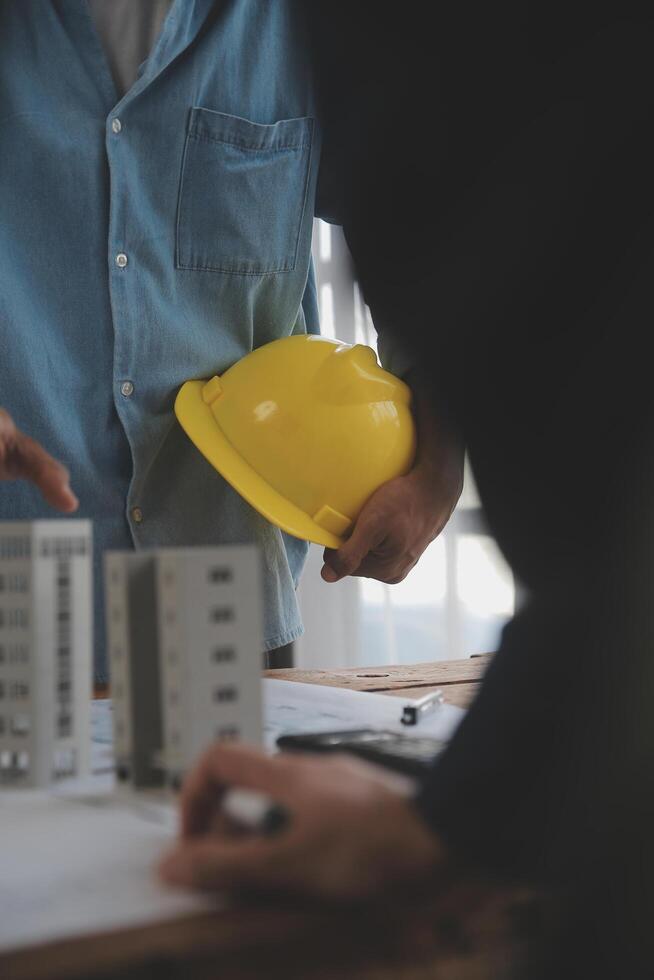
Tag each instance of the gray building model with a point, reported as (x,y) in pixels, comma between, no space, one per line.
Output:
(46,629)
(184,634)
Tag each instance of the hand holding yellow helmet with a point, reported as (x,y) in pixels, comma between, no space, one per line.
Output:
(305,429)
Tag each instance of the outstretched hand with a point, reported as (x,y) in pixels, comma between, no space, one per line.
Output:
(21,458)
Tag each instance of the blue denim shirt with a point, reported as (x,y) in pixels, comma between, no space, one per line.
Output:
(146,241)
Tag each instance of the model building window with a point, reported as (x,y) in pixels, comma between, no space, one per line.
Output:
(220,575)
(2,725)
(63,547)
(64,763)
(223,655)
(14,583)
(16,618)
(222,614)
(18,583)
(64,725)
(225,694)
(15,548)
(19,690)
(2,654)
(15,653)
(229,734)
(20,725)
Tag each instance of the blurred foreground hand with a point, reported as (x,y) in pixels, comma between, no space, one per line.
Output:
(21,458)
(351,832)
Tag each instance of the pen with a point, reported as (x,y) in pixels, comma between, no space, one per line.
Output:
(412,713)
(254,811)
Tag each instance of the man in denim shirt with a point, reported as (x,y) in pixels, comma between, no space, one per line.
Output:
(155,226)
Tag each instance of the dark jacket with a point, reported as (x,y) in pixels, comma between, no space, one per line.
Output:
(498,199)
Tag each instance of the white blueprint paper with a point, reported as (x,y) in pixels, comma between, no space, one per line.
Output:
(69,867)
(290,708)
(82,860)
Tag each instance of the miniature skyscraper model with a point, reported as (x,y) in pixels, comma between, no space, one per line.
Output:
(46,620)
(185,646)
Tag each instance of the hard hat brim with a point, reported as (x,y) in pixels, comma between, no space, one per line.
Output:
(202,428)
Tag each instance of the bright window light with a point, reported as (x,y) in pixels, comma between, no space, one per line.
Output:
(484,583)
(327,311)
(324,241)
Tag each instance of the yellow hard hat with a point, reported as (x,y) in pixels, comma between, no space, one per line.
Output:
(305,429)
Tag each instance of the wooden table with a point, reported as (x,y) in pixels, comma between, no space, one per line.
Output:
(407,940)
(459,680)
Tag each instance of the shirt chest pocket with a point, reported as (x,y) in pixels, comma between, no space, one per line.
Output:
(242,194)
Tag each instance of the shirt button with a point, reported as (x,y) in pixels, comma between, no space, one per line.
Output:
(121,260)
(116,125)
(127,389)
(137,515)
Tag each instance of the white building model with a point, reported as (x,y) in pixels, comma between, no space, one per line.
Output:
(46,619)
(184,635)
